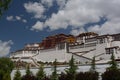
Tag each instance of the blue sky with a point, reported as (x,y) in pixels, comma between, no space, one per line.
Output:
(29,21)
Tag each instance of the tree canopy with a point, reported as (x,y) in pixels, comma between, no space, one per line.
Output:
(17,75)
(4,6)
(93,68)
(71,71)
(40,74)
(6,64)
(6,67)
(113,63)
(54,75)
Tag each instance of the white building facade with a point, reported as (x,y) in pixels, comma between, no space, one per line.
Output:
(82,50)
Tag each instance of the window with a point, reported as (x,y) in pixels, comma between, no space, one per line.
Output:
(101,41)
(109,50)
(117,37)
(61,46)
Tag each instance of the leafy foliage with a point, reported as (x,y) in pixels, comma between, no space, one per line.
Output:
(1,74)
(54,75)
(28,72)
(4,5)
(71,71)
(41,74)
(111,75)
(17,75)
(112,72)
(113,63)
(87,76)
(6,66)
(6,76)
(28,75)
(93,67)
(62,76)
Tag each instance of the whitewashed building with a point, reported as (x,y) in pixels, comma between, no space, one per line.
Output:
(83,50)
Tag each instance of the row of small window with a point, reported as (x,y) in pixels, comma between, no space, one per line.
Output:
(109,50)
(90,40)
(100,41)
(61,46)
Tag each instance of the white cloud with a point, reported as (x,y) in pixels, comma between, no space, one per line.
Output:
(18,17)
(77,31)
(110,27)
(24,20)
(10,18)
(95,28)
(61,3)
(36,8)
(5,47)
(47,3)
(77,13)
(53,22)
(38,26)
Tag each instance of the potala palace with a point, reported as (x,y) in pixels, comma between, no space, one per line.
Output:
(61,47)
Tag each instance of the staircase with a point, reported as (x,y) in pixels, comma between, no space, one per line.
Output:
(35,62)
(81,56)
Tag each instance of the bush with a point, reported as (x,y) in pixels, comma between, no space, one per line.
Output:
(40,74)
(6,67)
(17,75)
(71,71)
(62,76)
(28,77)
(111,75)
(46,78)
(112,72)
(87,76)
(54,75)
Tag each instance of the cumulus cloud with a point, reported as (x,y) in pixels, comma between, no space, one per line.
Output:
(24,20)
(5,47)
(16,18)
(77,13)
(36,8)
(9,18)
(47,3)
(77,31)
(110,27)
(38,26)
(61,3)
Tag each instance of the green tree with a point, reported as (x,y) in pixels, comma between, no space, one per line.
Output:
(1,74)
(93,67)
(6,76)
(113,63)
(4,5)
(28,72)
(112,72)
(54,75)
(6,64)
(92,74)
(28,75)
(6,67)
(40,74)
(17,75)
(71,71)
